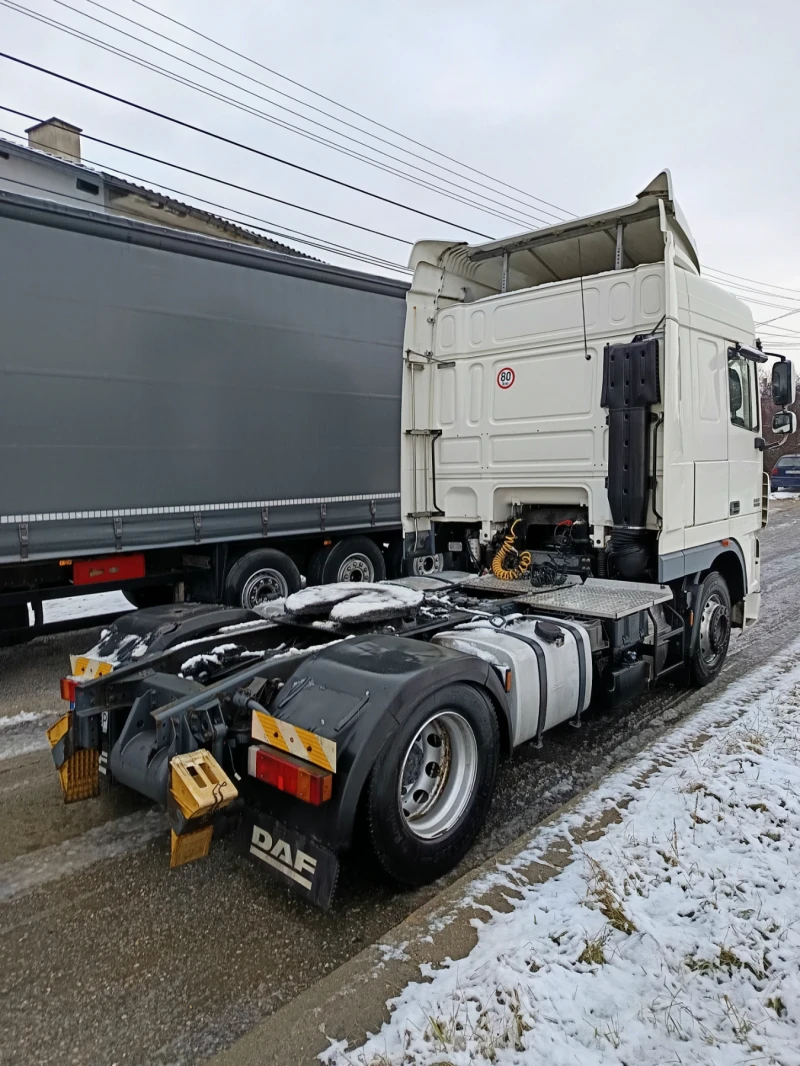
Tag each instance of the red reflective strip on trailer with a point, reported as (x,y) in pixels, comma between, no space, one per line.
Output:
(113,568)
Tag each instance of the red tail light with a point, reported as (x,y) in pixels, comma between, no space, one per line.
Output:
(68,689)
(774,471)
(291,775)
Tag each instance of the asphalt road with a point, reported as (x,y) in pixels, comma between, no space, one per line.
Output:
(107,956)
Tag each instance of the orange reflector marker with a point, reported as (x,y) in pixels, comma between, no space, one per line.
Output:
(724,543)
(291,775)
(508,681)
(68,689)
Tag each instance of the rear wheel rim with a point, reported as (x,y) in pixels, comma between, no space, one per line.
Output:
(356,567)
(715,627)
(263,586)
(438,775)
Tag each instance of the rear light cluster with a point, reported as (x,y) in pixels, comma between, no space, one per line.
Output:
(289,774)
(774,471)
(68,689)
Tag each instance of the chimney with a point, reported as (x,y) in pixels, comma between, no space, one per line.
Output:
(56,137)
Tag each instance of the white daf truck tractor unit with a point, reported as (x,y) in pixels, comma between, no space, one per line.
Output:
(582,496)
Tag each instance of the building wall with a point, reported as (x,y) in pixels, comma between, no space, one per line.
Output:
(144,209)
(29,177)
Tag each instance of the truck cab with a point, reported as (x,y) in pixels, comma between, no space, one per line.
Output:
(509,410)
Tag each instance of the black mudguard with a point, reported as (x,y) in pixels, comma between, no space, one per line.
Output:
(357,693)
(160,628)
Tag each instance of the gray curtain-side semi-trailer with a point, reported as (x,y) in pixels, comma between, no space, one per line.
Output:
(170,403)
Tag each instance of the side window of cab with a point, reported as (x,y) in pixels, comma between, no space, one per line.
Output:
(743,392)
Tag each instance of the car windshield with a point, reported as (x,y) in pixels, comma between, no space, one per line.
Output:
(788,460)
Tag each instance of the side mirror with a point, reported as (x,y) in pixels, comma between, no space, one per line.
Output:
(784,422)
(783,384)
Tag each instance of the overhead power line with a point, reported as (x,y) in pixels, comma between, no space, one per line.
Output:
(526,220)
(218,181)
(318,243)
(349,110)
(251,109)
(764,284)
(234,143)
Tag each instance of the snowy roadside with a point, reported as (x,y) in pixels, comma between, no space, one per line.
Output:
(671,935)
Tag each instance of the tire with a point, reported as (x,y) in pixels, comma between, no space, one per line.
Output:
(394,559)
(353,559)
(419,835)
(711,632)
(314,575)
(261,576)
(154,597)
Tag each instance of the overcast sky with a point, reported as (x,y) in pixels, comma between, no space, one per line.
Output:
(578,102)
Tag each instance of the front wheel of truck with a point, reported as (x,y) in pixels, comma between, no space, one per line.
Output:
(711,631)
(432,784)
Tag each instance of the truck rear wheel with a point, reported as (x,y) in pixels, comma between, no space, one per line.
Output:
(711,632)
(261,576)
(432,785)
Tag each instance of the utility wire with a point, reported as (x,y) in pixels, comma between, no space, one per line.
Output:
(129,211)
(219,181)
(352,111)
(231,141)
(250,109)
(767,284)
(283,231)
(525,220)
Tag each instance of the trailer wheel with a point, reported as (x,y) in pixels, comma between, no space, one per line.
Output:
(432,785)
(711,632)
(261,576)
(352,559)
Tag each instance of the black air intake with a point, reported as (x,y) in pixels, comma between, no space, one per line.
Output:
(630,387)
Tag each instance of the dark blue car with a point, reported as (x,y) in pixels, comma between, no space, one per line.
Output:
(785,475)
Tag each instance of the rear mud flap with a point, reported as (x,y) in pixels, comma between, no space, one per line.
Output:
(291,857)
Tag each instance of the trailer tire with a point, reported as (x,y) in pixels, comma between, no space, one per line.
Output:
(422,821)
(711,632)
(353,559)
(260,576)
(314,575)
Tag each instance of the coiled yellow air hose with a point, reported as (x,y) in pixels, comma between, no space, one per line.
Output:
(506,549)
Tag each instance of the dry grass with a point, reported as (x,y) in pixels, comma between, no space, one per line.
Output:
(602,896)
(593,953)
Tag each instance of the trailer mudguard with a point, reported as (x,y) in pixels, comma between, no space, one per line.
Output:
(357,693)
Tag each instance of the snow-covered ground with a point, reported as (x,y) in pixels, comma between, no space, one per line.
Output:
(673,938)
(784,494)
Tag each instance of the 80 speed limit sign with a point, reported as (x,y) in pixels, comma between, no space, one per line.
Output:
(505,377)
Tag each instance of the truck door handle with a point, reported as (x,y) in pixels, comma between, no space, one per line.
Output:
(734,507)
